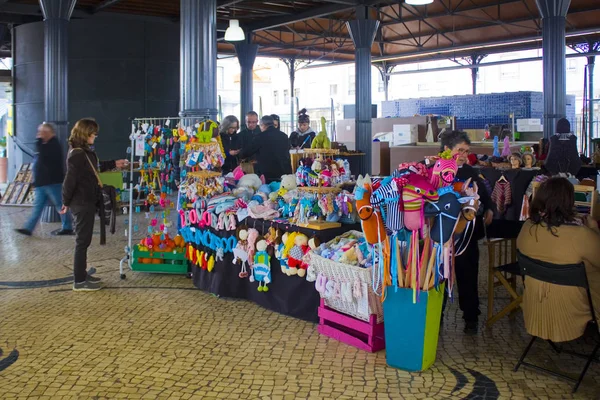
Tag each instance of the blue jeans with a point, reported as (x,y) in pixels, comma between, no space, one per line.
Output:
(42,195)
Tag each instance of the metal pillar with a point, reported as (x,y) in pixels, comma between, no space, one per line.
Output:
(553,14)
(475,60)
(292,67)
(363,30)
(56,60)
(246,54)
(590,69)
(474,72)
(385,70)
(198,58)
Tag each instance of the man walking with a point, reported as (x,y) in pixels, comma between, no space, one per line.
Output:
(48,175)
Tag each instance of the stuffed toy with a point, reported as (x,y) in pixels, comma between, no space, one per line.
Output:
(261,268)
(240,252)
(444,170)
(317,166)
(414,193)
(370,219)
(288,182)
(506,148)
(281,253)
(321,141)
(252,181)
(296,253)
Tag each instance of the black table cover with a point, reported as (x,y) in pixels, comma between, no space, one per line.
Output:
(288,295)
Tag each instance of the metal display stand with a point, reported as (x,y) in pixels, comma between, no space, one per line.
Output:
(170,122)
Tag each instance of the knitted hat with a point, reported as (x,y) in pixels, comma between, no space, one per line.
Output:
(563,126)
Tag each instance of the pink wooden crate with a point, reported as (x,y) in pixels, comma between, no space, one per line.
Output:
(368,336)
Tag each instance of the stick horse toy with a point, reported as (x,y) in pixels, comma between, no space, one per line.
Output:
(373,228)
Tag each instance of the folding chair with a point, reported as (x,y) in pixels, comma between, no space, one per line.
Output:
(503,270)
(566,275)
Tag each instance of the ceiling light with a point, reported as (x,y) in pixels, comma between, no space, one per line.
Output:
(234,33)
(418,2)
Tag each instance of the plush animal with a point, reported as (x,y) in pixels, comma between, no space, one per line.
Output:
(321,141)
(206,131)
(288,182)
(296,253)
(261,269)
(370,219)
(252,181)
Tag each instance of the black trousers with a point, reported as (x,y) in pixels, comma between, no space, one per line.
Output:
(467,278)
(84,217)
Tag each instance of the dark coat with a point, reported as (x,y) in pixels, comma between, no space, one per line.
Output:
(298,139)
(272,152)
(246,138)
(80,187)
(231,142)
(48,165)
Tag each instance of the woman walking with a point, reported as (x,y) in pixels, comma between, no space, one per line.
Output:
(80,193)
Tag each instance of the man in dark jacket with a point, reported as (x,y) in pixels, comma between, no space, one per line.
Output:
(467,264)
(48,174)
(271,148)
(250,131)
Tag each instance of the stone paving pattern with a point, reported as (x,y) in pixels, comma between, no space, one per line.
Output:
(157,337)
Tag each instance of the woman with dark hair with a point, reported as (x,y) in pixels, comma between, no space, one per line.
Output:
(467,264)
(555,234)
(231,142)
(80,193)
(302,137)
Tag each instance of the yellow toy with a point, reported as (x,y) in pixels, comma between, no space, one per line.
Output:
(321,141)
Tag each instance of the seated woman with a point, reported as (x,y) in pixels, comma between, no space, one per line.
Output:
(554,234)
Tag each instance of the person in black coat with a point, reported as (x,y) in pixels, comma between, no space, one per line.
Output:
(231,142)
(80,194)
(250,131)
(467,264)
(271,148)
(302,137)
(48,174)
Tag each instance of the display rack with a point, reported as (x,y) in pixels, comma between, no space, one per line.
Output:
(129,259)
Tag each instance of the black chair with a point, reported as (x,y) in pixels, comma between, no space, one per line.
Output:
(566,275)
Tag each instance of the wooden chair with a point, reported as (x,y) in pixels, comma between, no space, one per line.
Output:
(564,275)
(503,270)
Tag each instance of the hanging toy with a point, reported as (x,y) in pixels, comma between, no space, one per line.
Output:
(240,252)
(296,266)
(261,268)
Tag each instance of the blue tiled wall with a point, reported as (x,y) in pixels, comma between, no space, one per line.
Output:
(474,112)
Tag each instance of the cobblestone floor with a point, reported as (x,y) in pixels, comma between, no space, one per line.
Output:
(154,336)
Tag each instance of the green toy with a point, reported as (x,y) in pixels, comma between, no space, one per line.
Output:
(321,141)
(205,131)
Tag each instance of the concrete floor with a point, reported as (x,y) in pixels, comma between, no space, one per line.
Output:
(154,336)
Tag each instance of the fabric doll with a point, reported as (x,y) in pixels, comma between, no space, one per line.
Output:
(296,253)
(240,252)
(506,148)
(261,268)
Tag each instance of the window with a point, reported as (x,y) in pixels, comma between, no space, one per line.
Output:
(276,97)
(571,65)
(220,77)
(333,90)
(297,93)
(286,96)
(351,84)
(380,85)
(423,87)
(509,71)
